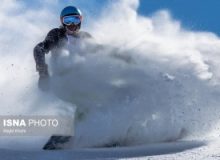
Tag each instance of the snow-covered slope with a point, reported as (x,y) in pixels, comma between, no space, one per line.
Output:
(141,152)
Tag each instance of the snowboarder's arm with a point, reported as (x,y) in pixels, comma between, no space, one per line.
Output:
(43,48)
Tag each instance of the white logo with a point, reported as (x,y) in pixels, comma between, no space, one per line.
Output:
(14,123)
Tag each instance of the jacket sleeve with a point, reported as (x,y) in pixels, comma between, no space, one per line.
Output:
(44,47)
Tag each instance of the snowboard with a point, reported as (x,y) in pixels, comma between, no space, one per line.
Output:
(58,142)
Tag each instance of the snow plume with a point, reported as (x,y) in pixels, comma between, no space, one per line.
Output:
(150,81)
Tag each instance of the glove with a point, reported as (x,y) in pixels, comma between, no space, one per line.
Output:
(44,79)
(42,69)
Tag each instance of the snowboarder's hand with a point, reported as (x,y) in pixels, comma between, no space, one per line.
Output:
(43,82)
(43,70)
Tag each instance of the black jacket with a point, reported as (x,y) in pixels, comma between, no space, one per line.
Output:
(55,39)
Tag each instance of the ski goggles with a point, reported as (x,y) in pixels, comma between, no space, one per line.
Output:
(73,19)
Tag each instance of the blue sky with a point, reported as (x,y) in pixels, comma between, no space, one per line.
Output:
(194,14)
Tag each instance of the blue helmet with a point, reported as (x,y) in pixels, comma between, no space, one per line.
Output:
(70,10)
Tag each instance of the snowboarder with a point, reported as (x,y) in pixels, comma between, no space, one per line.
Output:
(57,38)
(71,18)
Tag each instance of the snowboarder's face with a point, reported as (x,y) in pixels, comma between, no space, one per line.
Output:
(72,23)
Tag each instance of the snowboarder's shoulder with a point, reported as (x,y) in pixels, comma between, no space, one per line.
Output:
(84,34)
(57,31)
